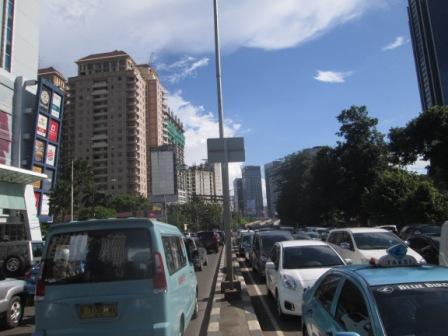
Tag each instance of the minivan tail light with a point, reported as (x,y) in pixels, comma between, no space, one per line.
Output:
(40,290)
(159,274)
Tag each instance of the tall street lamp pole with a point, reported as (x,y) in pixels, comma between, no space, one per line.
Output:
(225,163)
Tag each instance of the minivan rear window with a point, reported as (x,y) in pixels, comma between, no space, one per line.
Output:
(98,256)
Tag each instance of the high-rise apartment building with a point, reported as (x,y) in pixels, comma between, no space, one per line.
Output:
(252,191)
(238,195)
(271,180)
(55,77)
(164,128)
(106,122)
(201,183)
(429,31)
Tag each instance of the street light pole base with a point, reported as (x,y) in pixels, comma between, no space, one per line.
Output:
(231,289)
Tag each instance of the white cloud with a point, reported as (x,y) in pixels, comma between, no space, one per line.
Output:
(185,67)
(71,29)
(332,76)
(199,126)
(397,43)
(418,166)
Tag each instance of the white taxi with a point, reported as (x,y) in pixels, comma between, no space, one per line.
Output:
(294,266)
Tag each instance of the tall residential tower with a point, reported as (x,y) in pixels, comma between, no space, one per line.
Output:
(429,31)
(252,191)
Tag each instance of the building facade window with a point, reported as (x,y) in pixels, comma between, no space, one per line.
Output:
(7,34)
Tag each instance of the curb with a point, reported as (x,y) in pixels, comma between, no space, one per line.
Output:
(251,319)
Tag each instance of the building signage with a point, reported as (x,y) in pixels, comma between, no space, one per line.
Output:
(44,151)
(56,105)
(44,100)
(53,131)
(51,154)
(37,184)
(42,122)
(39,150)
(45,205)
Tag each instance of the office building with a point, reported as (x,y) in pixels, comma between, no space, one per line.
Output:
(105,122)
(272,188)
(238,195)
(19,55)
(429,31)
(252,191)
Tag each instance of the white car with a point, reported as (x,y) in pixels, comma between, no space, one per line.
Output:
(362,244)
(294,267)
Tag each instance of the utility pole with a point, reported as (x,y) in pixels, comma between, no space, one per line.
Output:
(225,163)
(71,192)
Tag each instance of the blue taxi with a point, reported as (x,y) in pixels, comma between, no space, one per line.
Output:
(393,296)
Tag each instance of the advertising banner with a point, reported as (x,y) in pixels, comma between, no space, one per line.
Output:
(39,151)
(51,155)
(45,205)
(53,131)
(44,100)
(42,122)
(48,182)
(37,199)
(56,105)
(37,184)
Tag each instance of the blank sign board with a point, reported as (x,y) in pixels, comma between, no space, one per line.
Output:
(235,150)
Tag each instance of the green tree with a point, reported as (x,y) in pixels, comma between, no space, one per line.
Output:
(401,197)
(426,137)
(362,156)
(82,186)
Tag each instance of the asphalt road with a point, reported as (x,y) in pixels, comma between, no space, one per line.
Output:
(205,280)
(265,309)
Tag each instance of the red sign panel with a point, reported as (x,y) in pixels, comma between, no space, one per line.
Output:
(37,200)
(53,131)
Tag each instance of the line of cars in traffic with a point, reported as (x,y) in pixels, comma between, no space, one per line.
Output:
(347,284)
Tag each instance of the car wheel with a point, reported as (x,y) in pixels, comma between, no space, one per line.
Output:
(278,307)
(206,261)
(14,265)
(14,313)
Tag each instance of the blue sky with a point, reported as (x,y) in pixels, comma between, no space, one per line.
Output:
(272,53)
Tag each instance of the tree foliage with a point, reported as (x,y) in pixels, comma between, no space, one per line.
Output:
(426,137)
(353,183)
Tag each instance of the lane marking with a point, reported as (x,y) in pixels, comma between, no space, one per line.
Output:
(254,325)
(265,307)
(213,327)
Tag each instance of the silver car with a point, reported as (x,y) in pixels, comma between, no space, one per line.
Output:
(12,300)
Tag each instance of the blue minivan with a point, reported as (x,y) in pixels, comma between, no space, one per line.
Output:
(115,277)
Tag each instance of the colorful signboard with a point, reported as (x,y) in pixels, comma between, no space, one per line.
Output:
(56,104)
(42,122)
(50,158)
(39,151)
(44,151)
(53,131)
(37,184)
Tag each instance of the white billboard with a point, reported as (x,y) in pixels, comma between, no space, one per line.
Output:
(163,175)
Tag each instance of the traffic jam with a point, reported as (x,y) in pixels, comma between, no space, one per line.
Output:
(348,281)
(142,278)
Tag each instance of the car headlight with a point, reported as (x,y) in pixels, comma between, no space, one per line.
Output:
(289,282)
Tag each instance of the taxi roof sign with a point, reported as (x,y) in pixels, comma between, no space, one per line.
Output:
(396,256)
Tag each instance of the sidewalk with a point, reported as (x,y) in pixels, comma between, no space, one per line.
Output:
(235,317)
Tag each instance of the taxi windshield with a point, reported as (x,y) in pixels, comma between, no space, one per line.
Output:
(375,240)
(417,309)
(310,257)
